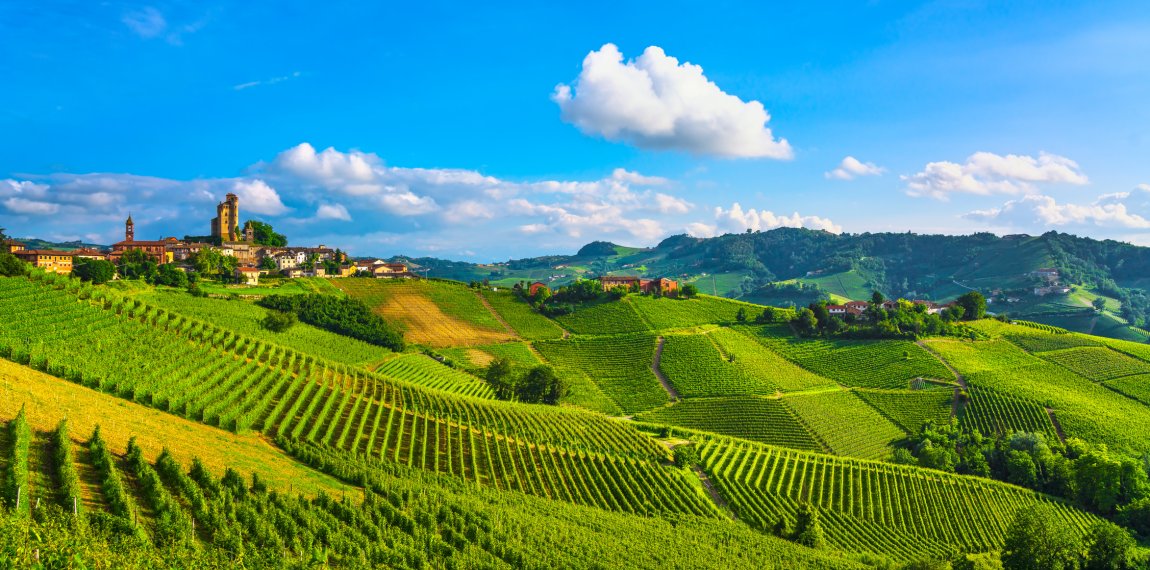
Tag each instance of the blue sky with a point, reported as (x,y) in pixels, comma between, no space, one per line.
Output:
(487,133)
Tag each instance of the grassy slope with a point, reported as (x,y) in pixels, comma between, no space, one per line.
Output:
(244,317)
(47,400)
(433,313)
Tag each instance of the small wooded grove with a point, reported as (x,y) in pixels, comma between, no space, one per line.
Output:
(340,315)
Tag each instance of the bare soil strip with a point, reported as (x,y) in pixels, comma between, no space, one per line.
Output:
(659,373)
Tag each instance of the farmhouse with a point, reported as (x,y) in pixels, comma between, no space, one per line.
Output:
(610,282)
(248,275)
(536,287)
(1052,290)
(47,259)
(11,246)
(88,254)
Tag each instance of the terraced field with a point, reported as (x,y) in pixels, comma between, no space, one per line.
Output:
(424,371)
(765,420)
(431,313)
(995,413)
(845,424)
(620,366)
(607,317)
(725,362)
(1136,386)
(523,319)
(666,313)
(867,506)
(864,364)
(1097,363)
(910,409)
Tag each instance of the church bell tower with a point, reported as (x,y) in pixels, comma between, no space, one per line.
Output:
(129,229)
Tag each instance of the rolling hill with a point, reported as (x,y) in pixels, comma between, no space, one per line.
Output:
(408,460)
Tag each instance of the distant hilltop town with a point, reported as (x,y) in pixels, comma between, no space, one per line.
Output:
(227,241)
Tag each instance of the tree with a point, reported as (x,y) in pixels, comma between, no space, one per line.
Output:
(265,235)
(741,315)
(973,304)
(808,529)
(540,385)
(689,291)
(268,263)
(499,377)
(137,264)
(806,321)
(278,321)
(11,266)
(1136,515)
(170,275)
(1108,547)
(1098,303)
(876,298)
(1036,540)
(686,456)
(97,271)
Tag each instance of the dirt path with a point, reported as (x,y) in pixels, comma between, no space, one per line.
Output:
(659,373)
(496,314)
(713,493)
(1057,426)
(958,377)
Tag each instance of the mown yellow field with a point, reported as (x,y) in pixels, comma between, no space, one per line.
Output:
(48,399)
(425,323)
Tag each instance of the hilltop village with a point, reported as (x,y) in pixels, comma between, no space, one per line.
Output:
(242,257)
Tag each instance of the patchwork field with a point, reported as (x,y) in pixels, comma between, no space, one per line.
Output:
(431,313)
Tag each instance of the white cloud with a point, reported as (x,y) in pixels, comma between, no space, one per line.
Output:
(671,205)
(271,81)
(986,173)
(851,168)
(736,219)
(146,22)
(1122,210)
(655,102)
(629,177)
(256,196)
(30,207)
(332,212)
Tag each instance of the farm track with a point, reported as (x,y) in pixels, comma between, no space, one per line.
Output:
(487,305)
(659,373)
(1057,426)
(954,402)
(713,493)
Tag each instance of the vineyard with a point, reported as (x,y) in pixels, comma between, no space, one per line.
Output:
(620,366)
(432,313)
(910,409)
(244,317)
(478,357)
(845,424)
(868,506)
(1097,363)
(526,322)
(724,362)
(864,364)
(607,317)
(1136,386)
(994,413)
(424,371)
(764,420)
(667,313)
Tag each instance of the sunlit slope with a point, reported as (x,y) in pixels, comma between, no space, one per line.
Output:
(432,313)
(533,449)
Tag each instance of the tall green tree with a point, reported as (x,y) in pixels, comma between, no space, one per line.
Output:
(137,264)
(265,235)
(97,271)
(808,528)
(540,386)
(1108,547)
(689,291)
(11,266)
(973,304)
(1037,540)
(499,376)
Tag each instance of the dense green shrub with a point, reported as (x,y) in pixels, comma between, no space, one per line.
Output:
(340,315)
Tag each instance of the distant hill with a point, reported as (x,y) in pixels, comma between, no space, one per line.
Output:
(34,243)
(757,266)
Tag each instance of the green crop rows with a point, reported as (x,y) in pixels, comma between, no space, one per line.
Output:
(621,366)
(869,506)
(235,382)
(765,420)
(422,370)
(725,362)
(1136,386)
(994,413)
(1097,363)
(910,409)
(846,424)
(666,313)
(1039,342)
(244,317)
(608,317)
(866,364)
(522,318)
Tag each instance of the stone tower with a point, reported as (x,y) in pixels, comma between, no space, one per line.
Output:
(249,232)
(226,222)
(129,229)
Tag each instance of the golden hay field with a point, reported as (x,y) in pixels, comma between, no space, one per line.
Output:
(47,400)
(432,314)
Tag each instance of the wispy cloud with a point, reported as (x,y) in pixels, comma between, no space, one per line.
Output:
(146,22)
(272,81)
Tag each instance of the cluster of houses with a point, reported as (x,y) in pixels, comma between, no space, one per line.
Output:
(1052,286)
(252,259)
(658,285)
(857,308)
